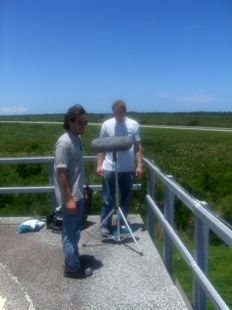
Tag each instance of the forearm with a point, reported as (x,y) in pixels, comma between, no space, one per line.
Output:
(63,183)
(100,158)
(139,160)
(71,205)
(138,155)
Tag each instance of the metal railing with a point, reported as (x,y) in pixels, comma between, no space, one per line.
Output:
(49,160)
(204,220)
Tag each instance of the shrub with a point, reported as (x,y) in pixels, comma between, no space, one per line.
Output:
(225,208)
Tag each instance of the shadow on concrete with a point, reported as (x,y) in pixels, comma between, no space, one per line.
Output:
(91,261)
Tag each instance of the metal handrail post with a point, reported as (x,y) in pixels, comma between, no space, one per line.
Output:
(169,216)
(150,213)
(51,183)
(201,242)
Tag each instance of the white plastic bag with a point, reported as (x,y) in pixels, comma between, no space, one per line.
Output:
(30,226)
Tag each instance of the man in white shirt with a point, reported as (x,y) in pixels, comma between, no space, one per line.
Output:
(129,163)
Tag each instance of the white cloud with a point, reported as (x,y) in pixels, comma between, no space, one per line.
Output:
(14,109)
(197,98)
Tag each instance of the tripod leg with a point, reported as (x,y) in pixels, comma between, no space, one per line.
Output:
(105,219)
(118,225)
(127,225)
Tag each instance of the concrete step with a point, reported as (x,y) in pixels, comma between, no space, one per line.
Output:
(31,266)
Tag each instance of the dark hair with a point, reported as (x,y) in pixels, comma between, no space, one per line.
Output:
(72,114)
(119,104)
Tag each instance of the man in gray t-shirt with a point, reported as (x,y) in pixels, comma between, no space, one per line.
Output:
(68,179)
(69,156)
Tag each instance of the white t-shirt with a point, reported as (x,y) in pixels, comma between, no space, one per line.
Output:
(125,159)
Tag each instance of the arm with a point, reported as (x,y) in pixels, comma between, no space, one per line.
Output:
(139,159)
(63,182)
(100,158)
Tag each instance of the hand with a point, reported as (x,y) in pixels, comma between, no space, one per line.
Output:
(71,206)
(138,171)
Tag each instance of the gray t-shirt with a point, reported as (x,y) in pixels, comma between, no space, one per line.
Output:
(68,155)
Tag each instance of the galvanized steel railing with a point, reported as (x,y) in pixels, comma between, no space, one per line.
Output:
(204,220)
(40,189)
(43,189)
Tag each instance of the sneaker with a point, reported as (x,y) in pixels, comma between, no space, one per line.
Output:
(125,230)
(114,232)
(105,232)
(81,273)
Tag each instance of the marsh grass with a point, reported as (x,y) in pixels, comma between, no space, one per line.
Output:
(200,161)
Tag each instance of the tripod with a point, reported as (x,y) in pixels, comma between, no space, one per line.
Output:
(118,211)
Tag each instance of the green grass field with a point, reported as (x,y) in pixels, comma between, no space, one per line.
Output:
(200,161)
(205,119)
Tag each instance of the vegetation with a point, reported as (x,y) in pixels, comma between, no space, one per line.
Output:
(204,119)
(199,160)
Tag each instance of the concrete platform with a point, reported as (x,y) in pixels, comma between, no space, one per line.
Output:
(31,269)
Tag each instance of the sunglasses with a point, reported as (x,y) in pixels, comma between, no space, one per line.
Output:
(81,123)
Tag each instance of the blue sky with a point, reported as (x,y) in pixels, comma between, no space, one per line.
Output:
(157,55)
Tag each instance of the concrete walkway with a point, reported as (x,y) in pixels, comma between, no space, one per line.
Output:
(31,269)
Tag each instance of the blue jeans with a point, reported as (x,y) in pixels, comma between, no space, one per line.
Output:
(125,181)
(71,236)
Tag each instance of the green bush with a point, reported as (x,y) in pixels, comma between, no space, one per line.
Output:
(225,208)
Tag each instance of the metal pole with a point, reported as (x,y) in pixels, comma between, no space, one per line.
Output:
(118,216)
(150,213)
(169,216)
(51,182)
(201,238)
